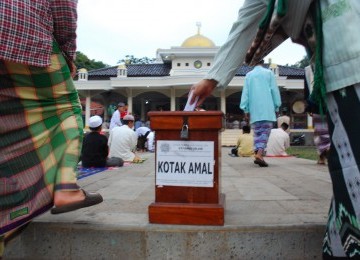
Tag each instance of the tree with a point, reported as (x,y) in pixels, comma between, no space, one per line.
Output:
(130,59)
(303,63)
(83,62)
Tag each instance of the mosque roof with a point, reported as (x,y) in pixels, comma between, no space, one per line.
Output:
(198,40)
(163,70)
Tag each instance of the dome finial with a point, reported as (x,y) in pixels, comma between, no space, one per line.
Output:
(198,24)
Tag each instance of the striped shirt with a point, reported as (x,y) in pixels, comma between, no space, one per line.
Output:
(29,27)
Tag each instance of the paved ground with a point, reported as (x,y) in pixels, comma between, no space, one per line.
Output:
(291,193)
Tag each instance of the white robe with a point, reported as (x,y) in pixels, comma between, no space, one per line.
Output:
(122,143)
(278,142)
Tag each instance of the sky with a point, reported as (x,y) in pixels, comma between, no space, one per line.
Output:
(108,30)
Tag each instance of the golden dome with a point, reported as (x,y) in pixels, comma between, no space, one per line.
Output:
(198,40)
(82,70)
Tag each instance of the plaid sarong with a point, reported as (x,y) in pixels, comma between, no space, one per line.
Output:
(40,138)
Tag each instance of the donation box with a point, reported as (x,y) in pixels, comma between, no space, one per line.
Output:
(187,168)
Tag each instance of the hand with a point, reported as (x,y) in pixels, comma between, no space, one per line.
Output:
(72,68)
(247,117)
(202,89)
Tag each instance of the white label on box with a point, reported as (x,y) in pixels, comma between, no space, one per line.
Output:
(185,163)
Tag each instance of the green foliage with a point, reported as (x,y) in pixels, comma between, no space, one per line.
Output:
(82,61)
(303,63)
(305,152)
(130,59)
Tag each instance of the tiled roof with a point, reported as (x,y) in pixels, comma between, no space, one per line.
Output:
(285,71)
(162,70)
(149,70)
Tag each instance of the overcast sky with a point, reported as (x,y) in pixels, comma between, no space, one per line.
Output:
(108,30)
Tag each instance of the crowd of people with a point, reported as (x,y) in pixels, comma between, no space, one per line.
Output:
(126,139)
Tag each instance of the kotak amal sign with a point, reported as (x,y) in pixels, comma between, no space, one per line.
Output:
(185,163)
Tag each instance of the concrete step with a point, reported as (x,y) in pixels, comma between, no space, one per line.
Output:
(229,137)
(88,241)
(275,212)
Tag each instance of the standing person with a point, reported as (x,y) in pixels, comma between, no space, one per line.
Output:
(118,115)
(261,98)
(328,29)
(321,129)
(321,138)
(279,141)
(95,148)
(41,125)
(122,141)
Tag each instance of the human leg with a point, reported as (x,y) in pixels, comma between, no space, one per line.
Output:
(40,140)
(342,238)
(261,135)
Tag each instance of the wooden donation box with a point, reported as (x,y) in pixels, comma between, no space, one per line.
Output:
(187,168)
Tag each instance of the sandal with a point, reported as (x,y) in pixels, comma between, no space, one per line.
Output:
(91,199)
(260,162)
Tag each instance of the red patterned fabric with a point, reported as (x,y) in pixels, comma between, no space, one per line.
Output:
(29,27)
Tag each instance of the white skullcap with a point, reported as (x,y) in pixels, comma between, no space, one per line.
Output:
(95,121)
(129,118)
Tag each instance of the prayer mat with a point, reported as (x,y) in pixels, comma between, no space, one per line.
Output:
(280,156)
(86,172)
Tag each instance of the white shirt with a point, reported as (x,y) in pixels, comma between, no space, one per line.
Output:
(278,141)
(115,120)
(150,142)
(142,130)
(122,142)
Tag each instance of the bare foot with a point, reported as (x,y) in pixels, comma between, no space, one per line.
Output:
(62,198)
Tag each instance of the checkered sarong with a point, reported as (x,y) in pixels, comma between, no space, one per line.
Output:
(40,138)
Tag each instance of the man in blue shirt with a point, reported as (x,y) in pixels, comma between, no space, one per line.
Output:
(261,98)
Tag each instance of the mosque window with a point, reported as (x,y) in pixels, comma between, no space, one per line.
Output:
(208,64)
(187,64)
(178,64)
(197,64)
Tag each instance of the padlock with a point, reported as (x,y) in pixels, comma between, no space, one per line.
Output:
(184,134)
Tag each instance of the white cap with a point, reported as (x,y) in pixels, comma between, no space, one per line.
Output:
(95,121)
(129,118)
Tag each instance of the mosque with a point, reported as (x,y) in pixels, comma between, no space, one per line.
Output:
(164,84)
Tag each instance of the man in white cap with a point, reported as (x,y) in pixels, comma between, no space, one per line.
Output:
(116,119)
(123,140)
(95,147)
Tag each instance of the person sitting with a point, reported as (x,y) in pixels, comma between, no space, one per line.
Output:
(278,142)
(284,118)
(122,141)
(95,148)
(245,143)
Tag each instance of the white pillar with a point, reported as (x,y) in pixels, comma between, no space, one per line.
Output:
(172,99)
(130,100)
(87,109)
(309,122)
(106,104)
(143,115)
